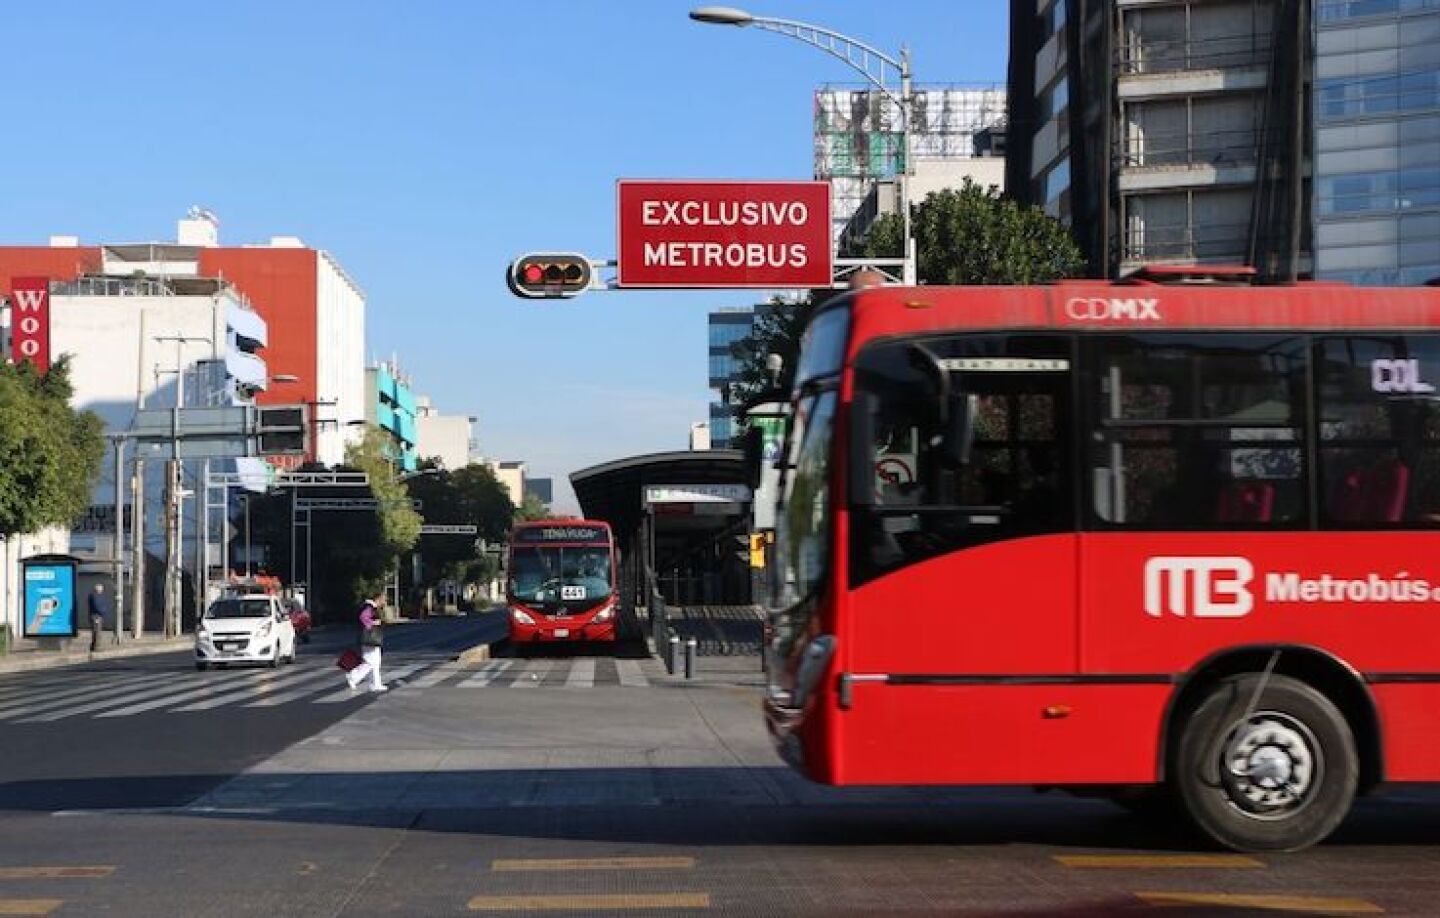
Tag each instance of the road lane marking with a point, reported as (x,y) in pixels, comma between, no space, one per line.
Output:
(533,675)
(390,674)
(1152,861)
(489,672)
(292,693)
(589,903)
(631,674)
(54,873)
(259,689)
(1310,905)
(29,906)
(593,863)
(172,698)
(582,674)
(38,702)
(436,676)
(168,693)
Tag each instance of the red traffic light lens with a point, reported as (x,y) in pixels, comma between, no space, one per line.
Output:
(533,273)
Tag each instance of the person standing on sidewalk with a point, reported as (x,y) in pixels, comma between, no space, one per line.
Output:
(99,606)
(372,639)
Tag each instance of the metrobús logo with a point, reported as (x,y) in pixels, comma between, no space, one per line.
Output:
(1107,308)
(1221,587)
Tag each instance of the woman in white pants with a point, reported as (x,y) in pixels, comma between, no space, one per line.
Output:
(372,639)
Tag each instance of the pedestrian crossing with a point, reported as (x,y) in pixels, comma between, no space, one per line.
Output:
(107,695)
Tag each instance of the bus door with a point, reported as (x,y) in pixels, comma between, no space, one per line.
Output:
(962,557)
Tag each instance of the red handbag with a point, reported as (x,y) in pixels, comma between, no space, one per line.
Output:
(349,659)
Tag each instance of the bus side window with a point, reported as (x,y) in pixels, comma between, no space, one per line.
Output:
(926,502)
(1379,429)
(1196,431)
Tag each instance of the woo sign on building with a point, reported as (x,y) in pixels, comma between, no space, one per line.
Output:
(677,233)
(30,321)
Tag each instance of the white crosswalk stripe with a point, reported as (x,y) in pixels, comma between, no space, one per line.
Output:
(582,674)
(37,702)
(533,675)
(631,674)
(388,672)
(205,691)
(488,673)
(111,694)
(436,676)
(264,688)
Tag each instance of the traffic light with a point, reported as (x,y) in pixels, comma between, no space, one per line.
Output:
(281,430)
(549,275)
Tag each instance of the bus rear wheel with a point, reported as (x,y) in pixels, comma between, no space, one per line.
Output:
(1266,764)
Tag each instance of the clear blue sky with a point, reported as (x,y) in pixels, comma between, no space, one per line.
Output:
(427,143)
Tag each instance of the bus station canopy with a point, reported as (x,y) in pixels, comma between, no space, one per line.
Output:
(615,491)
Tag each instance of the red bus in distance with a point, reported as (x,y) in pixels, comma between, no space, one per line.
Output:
(561,582)
(1159,541)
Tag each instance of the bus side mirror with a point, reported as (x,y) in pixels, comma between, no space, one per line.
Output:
(752,444)
(862,439)
(959,426)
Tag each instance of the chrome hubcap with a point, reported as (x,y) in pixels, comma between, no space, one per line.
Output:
(1271,765)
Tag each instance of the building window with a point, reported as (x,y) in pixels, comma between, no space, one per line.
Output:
(1343,97)
(1339,10)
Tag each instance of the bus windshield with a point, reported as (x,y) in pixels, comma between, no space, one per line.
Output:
(570,575)
(803,522)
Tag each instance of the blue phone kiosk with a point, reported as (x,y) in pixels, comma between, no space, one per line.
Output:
(49,595)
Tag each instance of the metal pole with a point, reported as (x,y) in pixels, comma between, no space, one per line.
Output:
(247,536)
(672,659)
(117,545)
(202,541)
(294,571)
(310,591)
(137,545)
(907,105)
(690,649)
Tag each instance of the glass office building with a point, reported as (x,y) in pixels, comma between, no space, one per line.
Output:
(1377,141)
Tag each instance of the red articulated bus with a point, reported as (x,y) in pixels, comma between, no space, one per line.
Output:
(562,584)
(1174,540)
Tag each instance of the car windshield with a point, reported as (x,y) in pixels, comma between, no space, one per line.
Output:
(560,574)
(239,608)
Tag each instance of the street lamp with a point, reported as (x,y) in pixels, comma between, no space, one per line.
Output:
(870,62)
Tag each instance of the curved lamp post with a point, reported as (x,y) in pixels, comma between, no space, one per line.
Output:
(868,61)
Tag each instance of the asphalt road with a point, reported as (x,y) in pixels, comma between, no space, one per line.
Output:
(579,784)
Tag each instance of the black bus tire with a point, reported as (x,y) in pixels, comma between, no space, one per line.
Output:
(1279,779)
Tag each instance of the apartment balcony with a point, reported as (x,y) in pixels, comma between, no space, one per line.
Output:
(1154,69)
(1157,162)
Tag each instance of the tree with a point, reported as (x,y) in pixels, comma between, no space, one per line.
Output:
(50,454)
(777,329)
(969,235)
(399,524)
(531,508)
(972,235)
(468,496)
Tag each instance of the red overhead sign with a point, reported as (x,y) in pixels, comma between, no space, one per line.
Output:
(724,234)
(30,321)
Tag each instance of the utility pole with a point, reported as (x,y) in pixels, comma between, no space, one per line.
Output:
(174,524)
(117,543)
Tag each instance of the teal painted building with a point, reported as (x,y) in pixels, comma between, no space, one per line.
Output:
(390,406)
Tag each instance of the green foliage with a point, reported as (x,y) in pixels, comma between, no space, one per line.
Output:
(972,235)
(531,508)
(777,331)
(50,454)
(467,496)
(399,523)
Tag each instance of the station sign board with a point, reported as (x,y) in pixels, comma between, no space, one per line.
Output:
(696,233)
(697,494)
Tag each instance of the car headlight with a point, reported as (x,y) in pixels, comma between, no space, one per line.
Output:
(265,629)
(605,614)
(522,617)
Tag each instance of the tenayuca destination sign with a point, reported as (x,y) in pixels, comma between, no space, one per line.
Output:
(681,233)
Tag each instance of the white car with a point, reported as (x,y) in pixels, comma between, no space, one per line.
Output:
(244,629)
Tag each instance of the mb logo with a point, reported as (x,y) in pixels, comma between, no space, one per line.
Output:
(1198,587)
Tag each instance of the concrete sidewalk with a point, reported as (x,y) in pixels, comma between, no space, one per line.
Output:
(28,658)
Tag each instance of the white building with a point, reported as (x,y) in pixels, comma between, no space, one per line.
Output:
(511,475)
(443,437)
